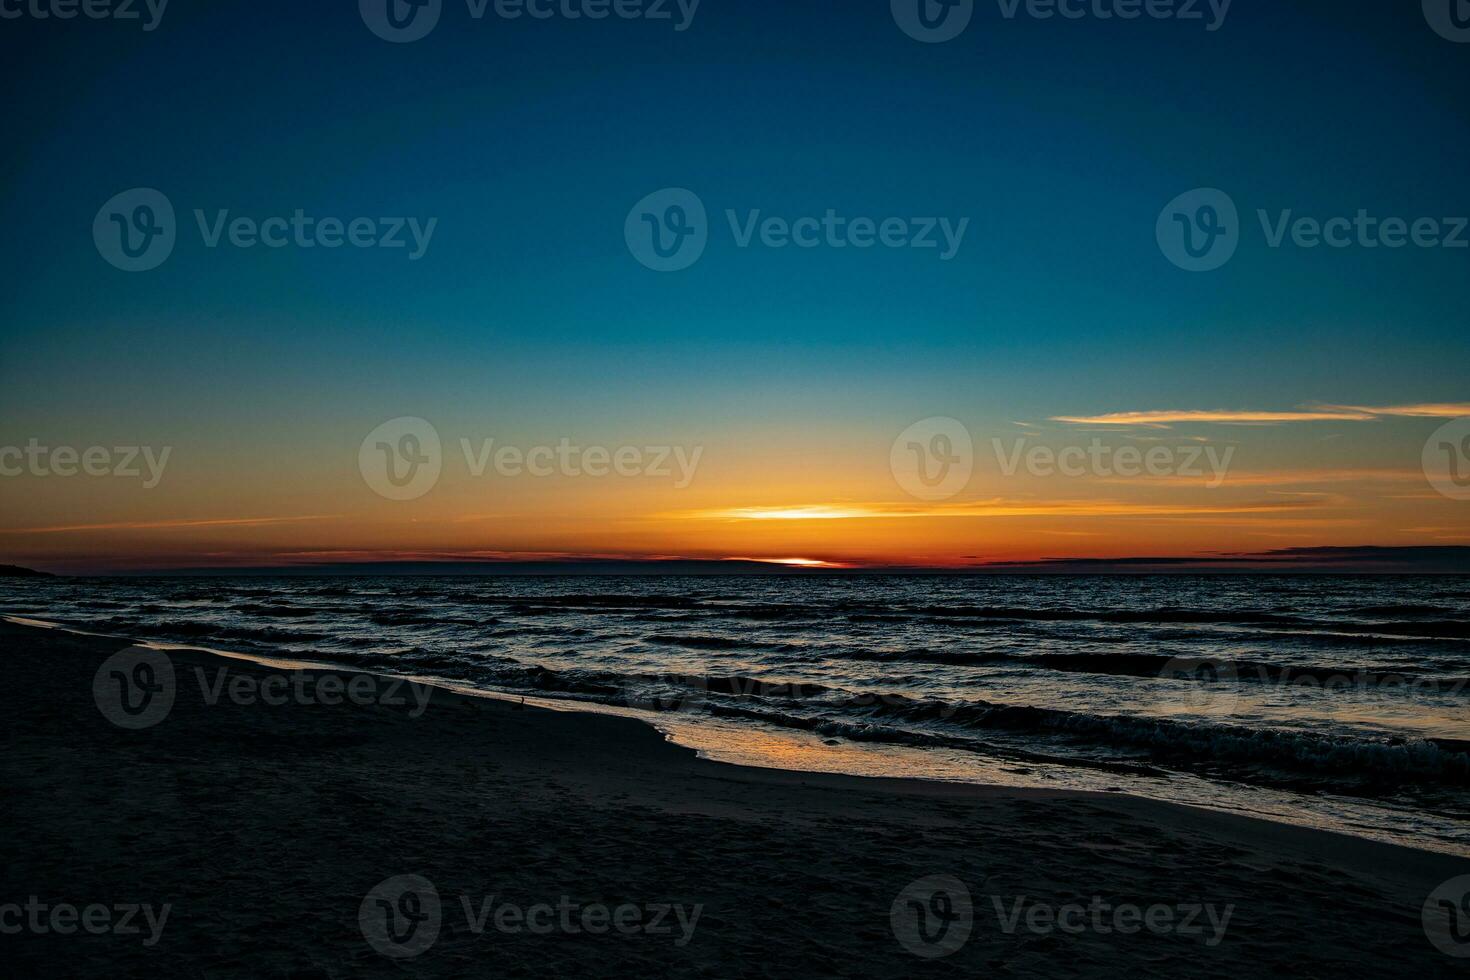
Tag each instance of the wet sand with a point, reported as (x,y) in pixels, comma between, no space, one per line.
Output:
(292,837)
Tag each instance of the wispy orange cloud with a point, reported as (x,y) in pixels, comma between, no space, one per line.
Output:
(168,525)
(1221,417)
(988,508)
(1430,410)
(1284,478)
(1318,413)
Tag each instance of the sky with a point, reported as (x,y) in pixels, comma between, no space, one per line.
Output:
(1292,392)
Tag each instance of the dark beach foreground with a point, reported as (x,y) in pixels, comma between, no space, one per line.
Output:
(244,819)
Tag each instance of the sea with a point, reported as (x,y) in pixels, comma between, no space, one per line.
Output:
(1333,702)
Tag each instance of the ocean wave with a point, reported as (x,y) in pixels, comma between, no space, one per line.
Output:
(604,601)
(1383,760)
(923,655)
(276,611)
(1407,609)
(255,636)
(1162,665)
(859,731)
(1352,763)
(699,641)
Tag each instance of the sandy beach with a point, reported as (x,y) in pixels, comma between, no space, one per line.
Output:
(270,823)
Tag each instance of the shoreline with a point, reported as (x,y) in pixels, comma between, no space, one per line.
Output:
(780,756)
(262,820)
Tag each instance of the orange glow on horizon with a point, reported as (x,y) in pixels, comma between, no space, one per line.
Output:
(768,497)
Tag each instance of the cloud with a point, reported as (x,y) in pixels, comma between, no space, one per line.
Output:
(1287,478)
(1165,418)
(169,525)
(1430,410)
(997,507)
(1319,413)
(1426,559)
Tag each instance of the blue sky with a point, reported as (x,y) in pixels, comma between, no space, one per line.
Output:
(529,141)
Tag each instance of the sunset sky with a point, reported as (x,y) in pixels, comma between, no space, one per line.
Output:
(1322,372)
